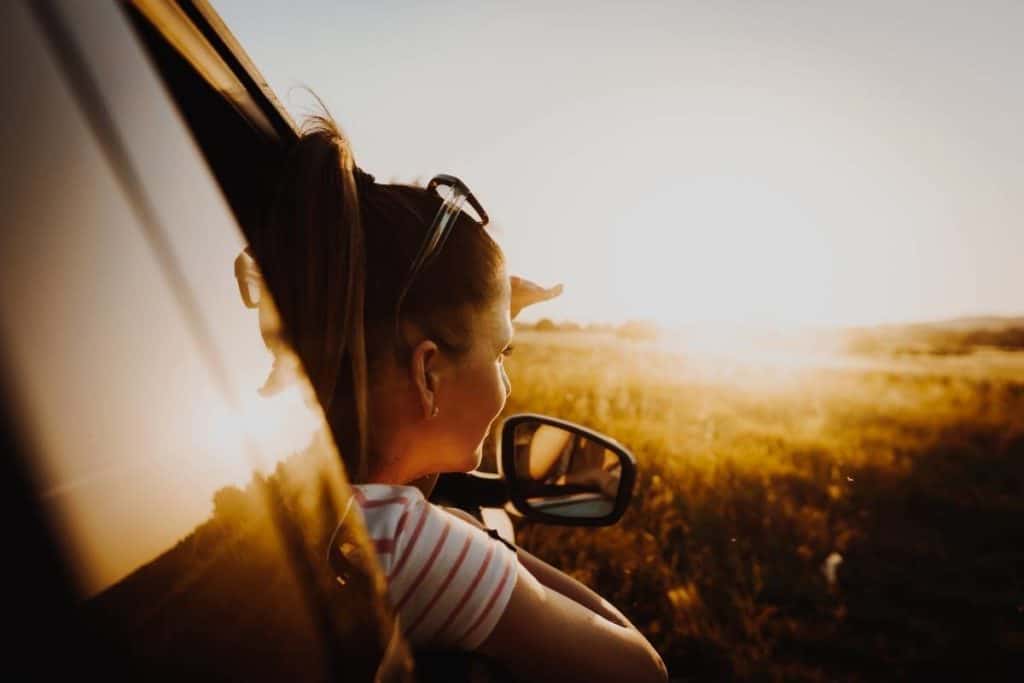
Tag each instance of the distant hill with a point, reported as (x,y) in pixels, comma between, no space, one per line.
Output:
(945,337)
(955,336)
(987,322)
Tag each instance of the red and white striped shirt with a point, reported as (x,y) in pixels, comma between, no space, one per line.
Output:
(448,581)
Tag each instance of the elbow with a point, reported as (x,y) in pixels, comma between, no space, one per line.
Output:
(658,670)
(639,663)
(648,666)
(662,676)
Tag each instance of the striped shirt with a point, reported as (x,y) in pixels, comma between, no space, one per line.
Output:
(448,581)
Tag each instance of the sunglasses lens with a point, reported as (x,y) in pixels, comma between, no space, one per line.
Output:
(455,200)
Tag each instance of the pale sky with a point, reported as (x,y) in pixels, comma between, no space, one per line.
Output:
(784,162)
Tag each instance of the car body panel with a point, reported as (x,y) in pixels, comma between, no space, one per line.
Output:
(195,514)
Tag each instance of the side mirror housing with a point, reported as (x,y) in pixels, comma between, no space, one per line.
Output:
(559,472)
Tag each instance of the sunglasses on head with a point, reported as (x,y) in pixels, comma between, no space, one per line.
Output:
(456,198)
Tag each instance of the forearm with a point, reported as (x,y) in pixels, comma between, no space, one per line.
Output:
(546,635)
(561,582)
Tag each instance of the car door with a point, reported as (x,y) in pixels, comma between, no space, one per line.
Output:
(175,518)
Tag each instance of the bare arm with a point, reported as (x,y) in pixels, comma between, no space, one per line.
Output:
(545,635)
(555,628)
(545,450)
(557,580)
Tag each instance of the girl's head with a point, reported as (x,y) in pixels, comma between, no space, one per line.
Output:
(404,398)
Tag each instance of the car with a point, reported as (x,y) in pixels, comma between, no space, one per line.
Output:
(172,517)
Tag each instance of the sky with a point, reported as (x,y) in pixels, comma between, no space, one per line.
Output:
(743,162)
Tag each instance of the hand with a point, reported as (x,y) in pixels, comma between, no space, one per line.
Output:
(525,293)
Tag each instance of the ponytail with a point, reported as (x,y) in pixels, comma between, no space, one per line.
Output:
(312,251)
(354,335)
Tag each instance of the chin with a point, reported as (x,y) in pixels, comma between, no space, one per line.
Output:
(478,456)
(464,459)
(472,461)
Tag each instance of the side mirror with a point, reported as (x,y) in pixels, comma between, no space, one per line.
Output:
(561,473)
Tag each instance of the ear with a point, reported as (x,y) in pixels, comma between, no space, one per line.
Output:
(424,367)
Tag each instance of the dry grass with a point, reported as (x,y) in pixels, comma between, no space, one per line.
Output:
(911,470)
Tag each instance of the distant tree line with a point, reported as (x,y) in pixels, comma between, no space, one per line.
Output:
(636,330)
(933,340)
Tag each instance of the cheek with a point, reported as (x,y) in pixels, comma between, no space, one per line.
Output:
(490,394)
(503,386)
(482,399)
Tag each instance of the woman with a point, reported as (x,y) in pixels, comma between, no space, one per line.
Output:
(400,307)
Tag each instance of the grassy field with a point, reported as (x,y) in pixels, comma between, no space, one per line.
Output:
(906,470)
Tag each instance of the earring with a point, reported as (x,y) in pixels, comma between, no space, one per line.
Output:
(434,414)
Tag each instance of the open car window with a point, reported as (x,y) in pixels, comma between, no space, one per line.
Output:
(202,511)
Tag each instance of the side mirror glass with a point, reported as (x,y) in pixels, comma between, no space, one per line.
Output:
(561,473)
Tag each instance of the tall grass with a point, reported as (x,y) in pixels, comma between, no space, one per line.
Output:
(907,473)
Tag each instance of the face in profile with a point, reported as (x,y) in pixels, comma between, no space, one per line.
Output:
(481,385)
(478,387)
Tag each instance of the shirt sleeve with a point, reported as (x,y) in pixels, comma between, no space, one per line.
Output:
(448,581)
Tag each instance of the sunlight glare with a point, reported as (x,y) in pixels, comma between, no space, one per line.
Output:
(723,249)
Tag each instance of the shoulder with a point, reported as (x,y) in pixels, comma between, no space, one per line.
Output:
(385,496)
(386,510)
(448,580)
(381,502)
